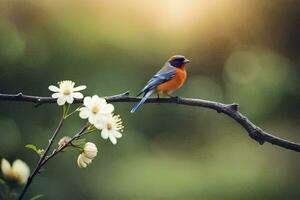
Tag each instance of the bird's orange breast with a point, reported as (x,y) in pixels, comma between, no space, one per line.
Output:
(176,82)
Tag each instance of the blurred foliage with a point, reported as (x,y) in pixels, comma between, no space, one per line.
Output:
(241,51)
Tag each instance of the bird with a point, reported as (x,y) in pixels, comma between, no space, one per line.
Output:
(168,79)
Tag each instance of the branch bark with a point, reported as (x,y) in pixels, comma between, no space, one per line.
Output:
(41,160)
(231,110)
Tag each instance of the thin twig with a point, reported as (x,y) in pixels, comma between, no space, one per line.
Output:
(231,110)
(41,160)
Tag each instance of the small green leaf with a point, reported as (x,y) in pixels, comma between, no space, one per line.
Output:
(32,147)
(37,197)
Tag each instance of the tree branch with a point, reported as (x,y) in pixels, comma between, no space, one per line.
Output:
(231,110)
(61,148)
(41,160)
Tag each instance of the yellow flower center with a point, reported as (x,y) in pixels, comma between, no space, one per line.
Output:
(66,91)
(109,126)
(10,174)
(13,175)
(95,109)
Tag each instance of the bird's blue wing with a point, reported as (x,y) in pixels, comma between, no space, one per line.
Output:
(166,73)
(159,78)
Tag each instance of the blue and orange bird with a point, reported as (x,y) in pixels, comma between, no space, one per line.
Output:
(171,77)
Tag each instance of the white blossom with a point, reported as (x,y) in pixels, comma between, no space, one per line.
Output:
(111,128)
(18,171)
(96,109)
(66,92)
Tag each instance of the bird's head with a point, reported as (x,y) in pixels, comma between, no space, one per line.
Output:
(178,61)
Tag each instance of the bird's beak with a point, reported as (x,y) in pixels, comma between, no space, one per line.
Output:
(186,61)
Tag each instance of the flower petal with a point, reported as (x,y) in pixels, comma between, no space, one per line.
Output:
(99,125)
(22,171)
(112,139)
(77,95)
(86,159)
(102,102)
(104,134)
(109,108)
(5,167)
(93,119)
(90,154)
(53,88)
(80,162)
(61,100)
(102,118)
(79,88)
(84,113)
(95,98)
(56,95)
(69,99)
(87,101)
(117,134)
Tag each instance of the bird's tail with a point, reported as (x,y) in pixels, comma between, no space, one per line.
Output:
(145,97)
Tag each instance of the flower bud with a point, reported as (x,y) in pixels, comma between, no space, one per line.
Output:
(63,141)
(19,171)
(80,162)
(90,150)
(83,161)
(89,153)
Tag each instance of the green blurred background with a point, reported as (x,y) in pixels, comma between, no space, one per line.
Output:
(244,51)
